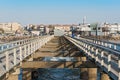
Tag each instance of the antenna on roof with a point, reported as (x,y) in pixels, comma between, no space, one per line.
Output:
(84,19)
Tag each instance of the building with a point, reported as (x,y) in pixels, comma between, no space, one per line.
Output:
(59,32)
(63,27)
(38,29)
(96,29)
(81,29)
(104,29)
(11,28)
(114,28)
(47,30)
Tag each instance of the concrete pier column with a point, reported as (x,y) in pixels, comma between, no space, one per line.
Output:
(77,64)
(104,77)
(14,75)
(31,57)
(92,73)
(83,59)
(83,74)
(26,75)
(68,65)
(7,75)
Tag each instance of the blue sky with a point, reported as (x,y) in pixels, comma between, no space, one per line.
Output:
(59,11)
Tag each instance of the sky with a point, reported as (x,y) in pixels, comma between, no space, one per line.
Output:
(59,11)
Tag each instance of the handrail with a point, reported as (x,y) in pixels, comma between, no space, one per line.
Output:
(102,47)
(12,56)
(115,47)
(97,52)
(101,40)
(15,42)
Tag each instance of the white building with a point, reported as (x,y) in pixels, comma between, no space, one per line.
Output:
(35,32)
(11,27)
(104,29)
(59,32)
(83,27)
(99,27)
(47,30)
(114,28)
(111,28)
(63,27)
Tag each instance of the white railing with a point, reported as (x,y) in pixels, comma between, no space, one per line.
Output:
(4,46)
(12,56)
(103,56)
(111,45)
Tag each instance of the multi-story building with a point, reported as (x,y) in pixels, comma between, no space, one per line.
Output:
(12,28)
(81,29)
(38,29)
(97,29)
(114,28)
(63,27)
(104,29)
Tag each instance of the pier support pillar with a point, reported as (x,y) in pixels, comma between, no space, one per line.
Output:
(14,75)
(26,75)
(104,77)
(7,75)
(83,59)
(92,73)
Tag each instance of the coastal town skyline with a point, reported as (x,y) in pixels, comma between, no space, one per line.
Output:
(59,12)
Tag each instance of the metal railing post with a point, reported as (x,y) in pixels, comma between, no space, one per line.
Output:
(20,48)
(15,56)
(109,62)
(102,55)
(7,60)
(25,51)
